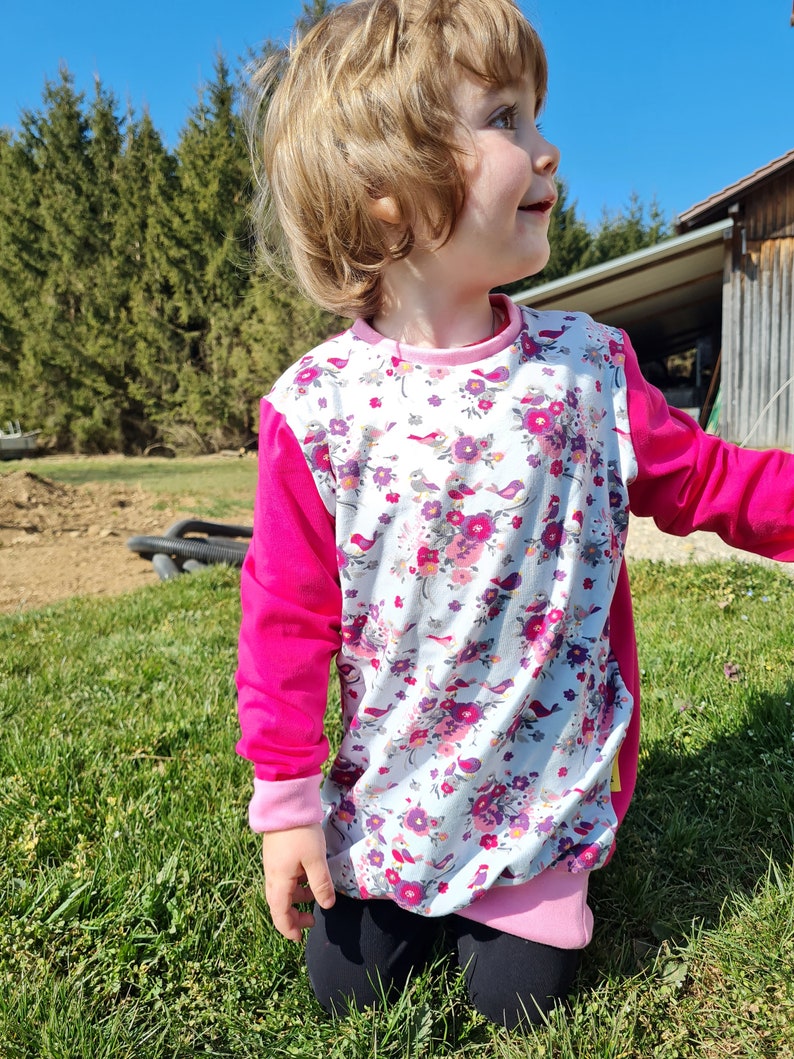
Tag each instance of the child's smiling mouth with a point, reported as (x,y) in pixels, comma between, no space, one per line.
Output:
(542,206)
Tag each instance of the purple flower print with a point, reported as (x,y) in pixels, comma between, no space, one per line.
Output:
(346,811)
(475,386)
(416,820)
(349,474)
(382,476)
(478,527)
(434,401)
(465,450)
(577,655)
(431,510)
(375,857)
(553,536)
(339,427)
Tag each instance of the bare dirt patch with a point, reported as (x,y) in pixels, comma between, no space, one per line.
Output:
(59,540)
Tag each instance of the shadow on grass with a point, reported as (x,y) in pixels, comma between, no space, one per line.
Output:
(706,820)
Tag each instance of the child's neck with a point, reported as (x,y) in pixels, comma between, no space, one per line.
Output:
(435,330)
(424,314)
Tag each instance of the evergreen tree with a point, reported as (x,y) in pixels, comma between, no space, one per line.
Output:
(626,231)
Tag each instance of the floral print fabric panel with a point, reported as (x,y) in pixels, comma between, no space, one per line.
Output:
(481,512)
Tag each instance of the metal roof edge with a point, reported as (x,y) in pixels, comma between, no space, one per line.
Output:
(608,270)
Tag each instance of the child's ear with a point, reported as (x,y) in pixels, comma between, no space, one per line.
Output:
(385,210)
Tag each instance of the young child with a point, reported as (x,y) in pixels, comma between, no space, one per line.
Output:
(442,509)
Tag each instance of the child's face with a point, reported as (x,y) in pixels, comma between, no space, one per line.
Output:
(502,231)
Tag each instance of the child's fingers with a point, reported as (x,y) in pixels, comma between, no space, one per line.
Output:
(319,881)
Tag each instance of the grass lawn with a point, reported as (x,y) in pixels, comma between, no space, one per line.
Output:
(133,920)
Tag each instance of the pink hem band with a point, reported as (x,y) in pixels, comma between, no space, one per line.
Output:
(551,908)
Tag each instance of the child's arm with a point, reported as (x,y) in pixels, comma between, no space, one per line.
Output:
(689,480)
(290,631)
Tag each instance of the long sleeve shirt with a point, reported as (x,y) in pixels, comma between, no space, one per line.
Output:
(448,528)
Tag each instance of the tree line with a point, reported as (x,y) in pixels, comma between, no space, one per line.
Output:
(131,312)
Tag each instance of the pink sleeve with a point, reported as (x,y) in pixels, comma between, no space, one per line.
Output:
(291,616)
(689,480)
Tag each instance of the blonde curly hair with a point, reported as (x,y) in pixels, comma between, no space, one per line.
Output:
(361,108)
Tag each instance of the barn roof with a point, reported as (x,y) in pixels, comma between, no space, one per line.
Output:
(666,295)
(719,202)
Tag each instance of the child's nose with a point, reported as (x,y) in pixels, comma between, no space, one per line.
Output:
(547,158)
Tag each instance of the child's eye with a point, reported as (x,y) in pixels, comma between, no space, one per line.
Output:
(506,119)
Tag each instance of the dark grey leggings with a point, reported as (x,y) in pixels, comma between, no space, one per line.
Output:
(357,944)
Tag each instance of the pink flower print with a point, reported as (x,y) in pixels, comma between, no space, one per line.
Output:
(447,788)
(467,713)
(552,442)
(535,628)
(393,498)
(392,876)
(478,527)
(588,729)
(455,518)
(321,458)
(418,737)
(382,476)
(538,420)
(461,576)
(427,561)
(374,402)
(409,894)
(307,375)
(485,405)
(416,820)
(463,551)
(465,450)
(489,841)
(585,860)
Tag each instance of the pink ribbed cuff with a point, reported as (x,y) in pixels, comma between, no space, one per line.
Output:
(280,804)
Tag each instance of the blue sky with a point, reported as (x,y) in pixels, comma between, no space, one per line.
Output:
(672,100)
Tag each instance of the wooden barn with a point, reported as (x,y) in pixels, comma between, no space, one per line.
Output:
(711,310)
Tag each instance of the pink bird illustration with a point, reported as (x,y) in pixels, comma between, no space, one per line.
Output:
(552,336)
(337,363)
(436,438)
(499,375)
(362,542)
(510,491)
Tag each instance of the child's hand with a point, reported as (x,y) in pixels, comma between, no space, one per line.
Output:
(295,871)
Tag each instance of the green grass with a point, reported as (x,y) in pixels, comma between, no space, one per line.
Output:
(219,486)
(133,920)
